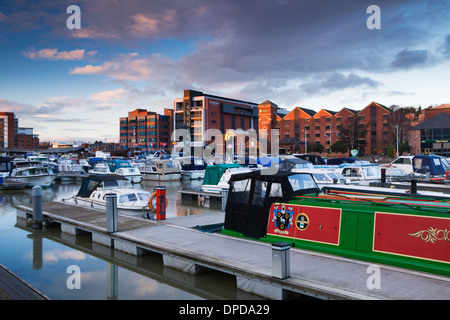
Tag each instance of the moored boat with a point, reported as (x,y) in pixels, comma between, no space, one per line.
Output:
(403,231)
(161,170)
(130,201)
(192,168)
(31,173)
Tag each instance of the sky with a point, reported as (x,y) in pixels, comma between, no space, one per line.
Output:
(74,84)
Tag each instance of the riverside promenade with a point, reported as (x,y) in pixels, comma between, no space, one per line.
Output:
(186,248)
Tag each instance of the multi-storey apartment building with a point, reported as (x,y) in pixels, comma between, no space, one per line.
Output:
(309,126)
(145,130)
(197,112)
(26,139)
(8,130)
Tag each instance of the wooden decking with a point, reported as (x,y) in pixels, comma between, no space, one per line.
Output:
(314,274)
(13,288)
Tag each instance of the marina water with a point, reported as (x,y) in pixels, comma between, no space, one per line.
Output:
(45,258)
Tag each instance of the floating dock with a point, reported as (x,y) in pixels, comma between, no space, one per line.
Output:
(13,288)
(186,248)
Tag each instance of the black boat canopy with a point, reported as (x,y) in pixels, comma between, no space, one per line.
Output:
(252,193)
(91,183)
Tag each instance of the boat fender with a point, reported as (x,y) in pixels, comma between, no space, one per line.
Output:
(150,202)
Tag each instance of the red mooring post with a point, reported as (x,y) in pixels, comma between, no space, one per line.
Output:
(161,202)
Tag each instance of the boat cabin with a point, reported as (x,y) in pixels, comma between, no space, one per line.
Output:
(251,194)
(6,166)
(105,181)
(431,165)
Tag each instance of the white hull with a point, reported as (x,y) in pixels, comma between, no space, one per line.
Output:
(134,179)
(101,205)
(193,175)
(154,176)
(38,180)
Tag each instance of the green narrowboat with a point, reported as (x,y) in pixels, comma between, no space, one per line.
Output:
(402,231)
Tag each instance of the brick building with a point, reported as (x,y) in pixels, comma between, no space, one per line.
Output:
(375,117)
(8,130)
(26,139)
(144,131)
(310,127)
(198,112)
(432,134)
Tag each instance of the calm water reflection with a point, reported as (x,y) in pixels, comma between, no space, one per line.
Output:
(42,257)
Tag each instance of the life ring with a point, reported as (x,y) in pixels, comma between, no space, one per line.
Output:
(150,202)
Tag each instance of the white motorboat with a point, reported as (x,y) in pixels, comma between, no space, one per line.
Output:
(217,176)
(69,169)
(324,175)
(192,168)
(161,170)
(100,168)
(124,168)
(361,174)
(130,201)
(31,173)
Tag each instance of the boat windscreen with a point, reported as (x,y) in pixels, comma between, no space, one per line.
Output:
(108,184)
(303,182)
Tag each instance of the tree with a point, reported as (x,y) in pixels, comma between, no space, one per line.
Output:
(399,126)
(338,147)
(353,134)
(316,147)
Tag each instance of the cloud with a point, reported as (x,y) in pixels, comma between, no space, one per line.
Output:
(407,59)
(132,67)
(55,54)
(105,96)
(338,81)
(445,48)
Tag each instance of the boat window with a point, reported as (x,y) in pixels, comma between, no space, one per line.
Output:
(334,175)
(259,193)
(401,161)
(132,197)
(276,190)
(143,196)
(371,172)
(302,181)
(351,172)
(320,177)
(240,191)
(418,163)
(170,164)
(128,197)
(305,165)
(4,167)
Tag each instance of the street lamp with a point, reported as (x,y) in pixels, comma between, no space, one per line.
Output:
(397,139)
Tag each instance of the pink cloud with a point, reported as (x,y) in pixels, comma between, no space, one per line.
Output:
(55,54)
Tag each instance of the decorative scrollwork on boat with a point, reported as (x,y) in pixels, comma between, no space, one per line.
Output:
(432,235)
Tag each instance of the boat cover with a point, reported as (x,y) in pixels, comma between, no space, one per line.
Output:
(288,164)
(428,164)
(91,183)
(338,161)
(214,173)
(251,194)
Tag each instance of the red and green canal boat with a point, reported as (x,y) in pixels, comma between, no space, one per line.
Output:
(403,231)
